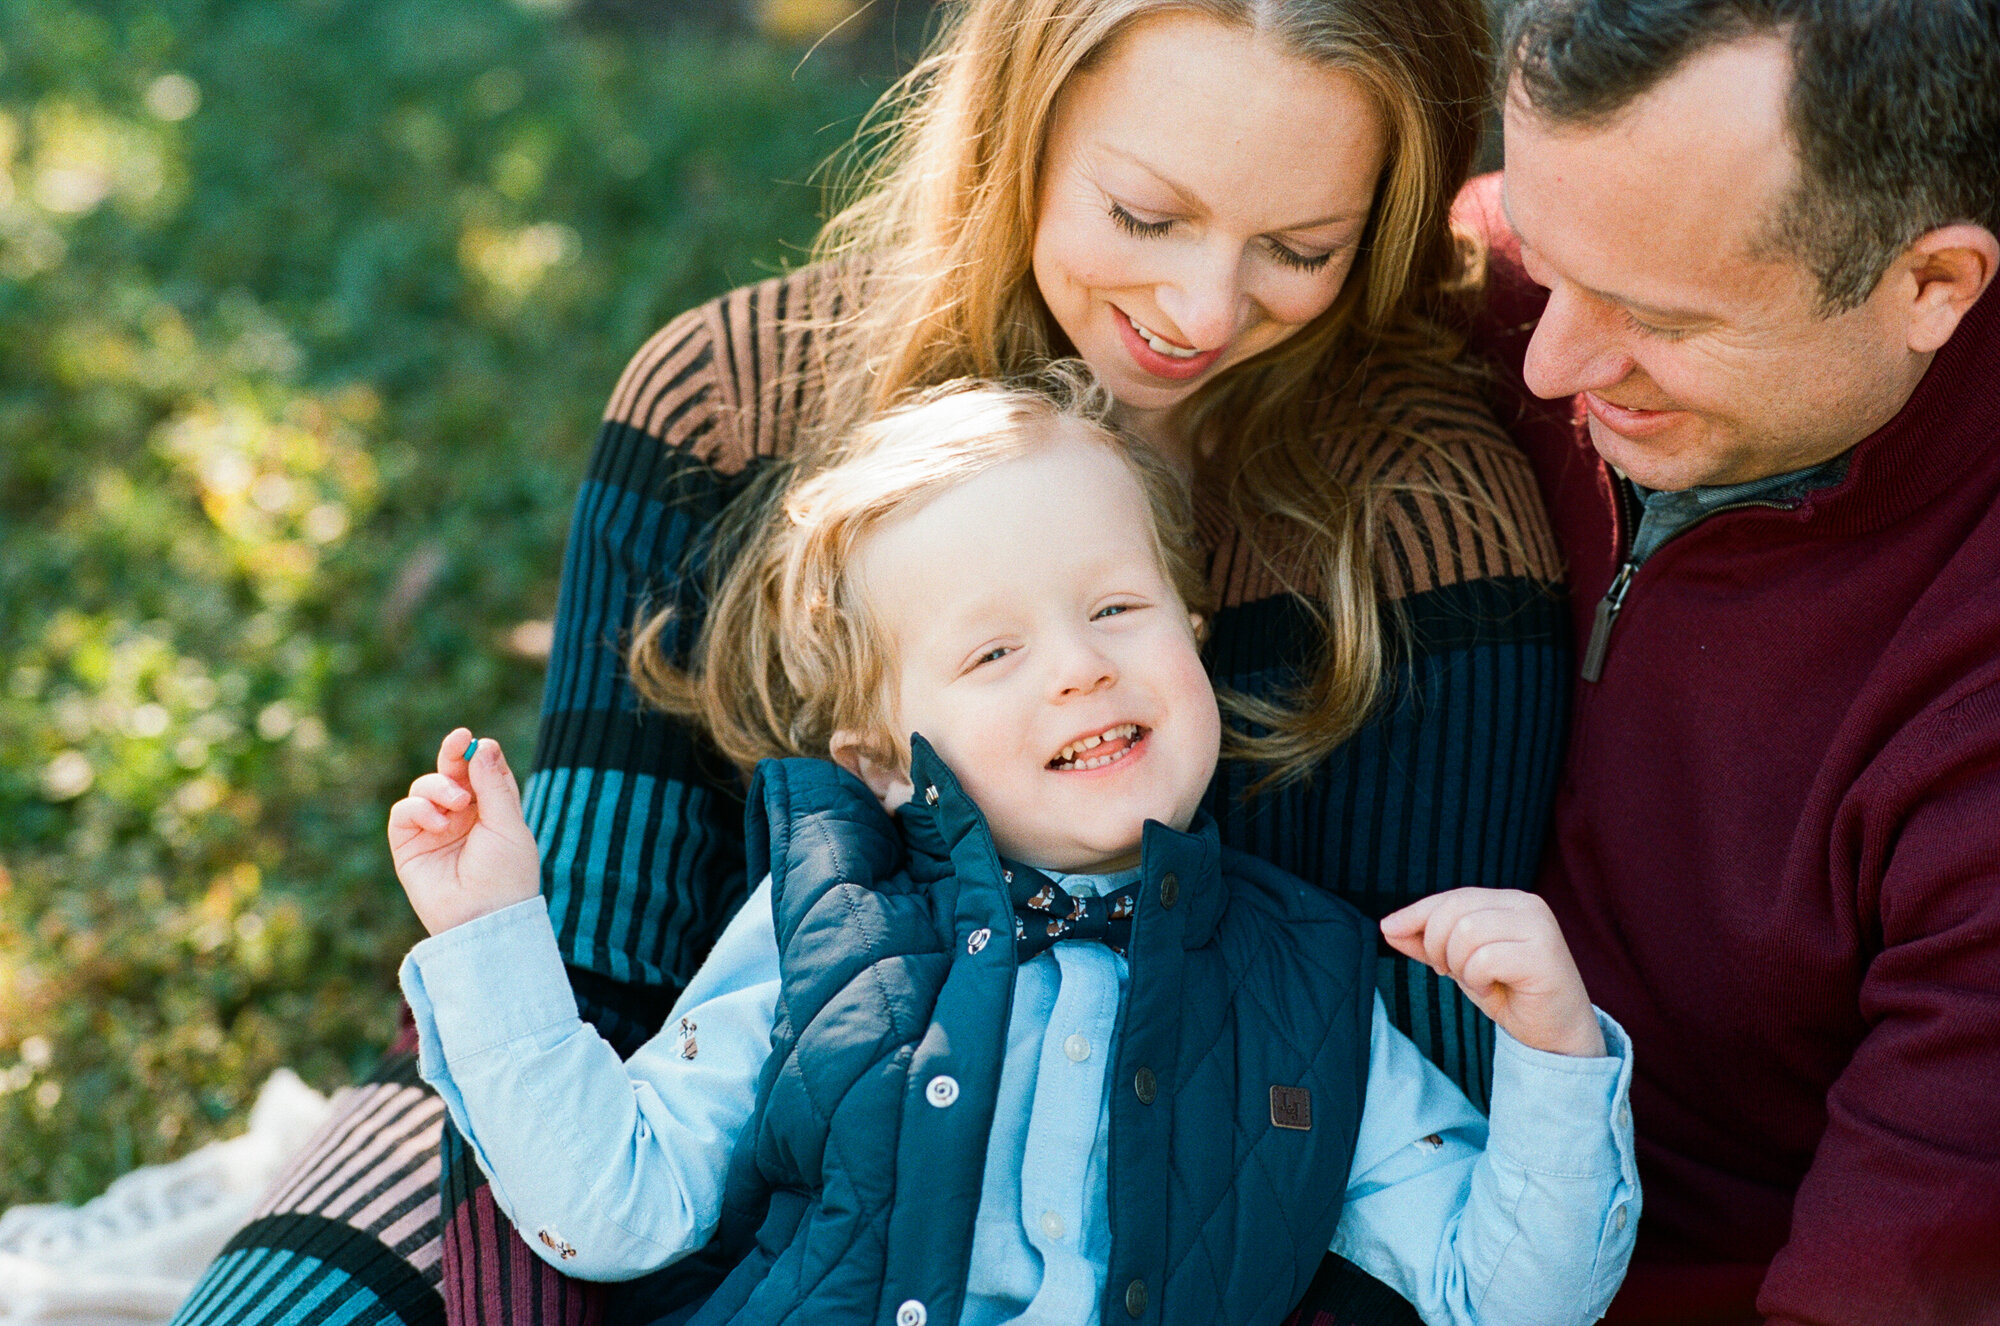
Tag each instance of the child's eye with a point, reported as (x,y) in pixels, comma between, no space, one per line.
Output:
(1112,610)
(992,655)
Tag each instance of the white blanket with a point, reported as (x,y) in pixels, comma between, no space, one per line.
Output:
(131,1255)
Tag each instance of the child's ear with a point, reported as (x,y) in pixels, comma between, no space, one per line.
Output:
(863,758)
(1199,624)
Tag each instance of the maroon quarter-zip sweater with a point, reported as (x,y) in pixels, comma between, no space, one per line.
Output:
(1776,854)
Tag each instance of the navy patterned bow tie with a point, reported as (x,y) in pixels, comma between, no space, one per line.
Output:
(1045,913)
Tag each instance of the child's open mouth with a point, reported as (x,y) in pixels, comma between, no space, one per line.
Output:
(1099,749)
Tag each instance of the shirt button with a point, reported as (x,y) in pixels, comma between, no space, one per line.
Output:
(1618,1218)
(1170,890)
(1052,1224)
(1135,1298)
(1624,1117)
(1145,1087)
(942,1091)
(911,1314)
(1077,1048)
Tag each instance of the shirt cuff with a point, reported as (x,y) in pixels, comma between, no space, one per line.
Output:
(1559,1114)
(491,980)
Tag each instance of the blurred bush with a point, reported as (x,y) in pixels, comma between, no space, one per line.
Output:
(307,312)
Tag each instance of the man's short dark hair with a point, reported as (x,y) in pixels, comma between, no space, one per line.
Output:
(1894,108)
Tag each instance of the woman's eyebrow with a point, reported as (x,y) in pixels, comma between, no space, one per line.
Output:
(1194,203)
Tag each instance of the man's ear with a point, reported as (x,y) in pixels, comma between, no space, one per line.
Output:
(863,757)
(1947,270)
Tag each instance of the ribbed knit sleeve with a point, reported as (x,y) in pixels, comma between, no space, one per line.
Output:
(640,824)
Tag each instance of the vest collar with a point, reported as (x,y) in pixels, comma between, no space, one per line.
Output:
(941,824)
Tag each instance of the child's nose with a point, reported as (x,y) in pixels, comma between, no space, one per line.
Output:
(1084,670)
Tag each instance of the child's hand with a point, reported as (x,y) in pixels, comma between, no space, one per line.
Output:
(460,843)
(1506,952)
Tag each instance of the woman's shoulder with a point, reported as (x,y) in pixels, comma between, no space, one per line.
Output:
(732,379)
(1462,500)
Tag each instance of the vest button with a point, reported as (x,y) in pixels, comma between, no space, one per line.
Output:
(941,1092)
(977,939)
(911,1314)
(1170,889)
(1145,1087)
(1135,1298)
(930,799)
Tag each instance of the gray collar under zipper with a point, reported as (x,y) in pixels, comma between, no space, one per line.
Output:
(1662,515)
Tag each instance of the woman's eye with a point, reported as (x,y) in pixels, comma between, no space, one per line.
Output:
(1292,258)
(1132,225)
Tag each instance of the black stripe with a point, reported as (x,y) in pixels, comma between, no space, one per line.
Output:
(403,1292)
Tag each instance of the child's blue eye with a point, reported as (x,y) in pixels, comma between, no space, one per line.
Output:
(1110,610)
(992,655)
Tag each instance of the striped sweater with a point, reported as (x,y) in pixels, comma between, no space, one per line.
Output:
(1448,784)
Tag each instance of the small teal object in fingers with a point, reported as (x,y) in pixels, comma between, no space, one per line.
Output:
(471,748)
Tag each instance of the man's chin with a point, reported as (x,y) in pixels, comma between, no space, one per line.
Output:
(1655,463)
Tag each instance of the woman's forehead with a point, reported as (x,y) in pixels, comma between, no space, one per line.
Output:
(1221,117)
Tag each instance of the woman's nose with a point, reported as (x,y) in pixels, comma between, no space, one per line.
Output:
(1205,297)
(1579,345)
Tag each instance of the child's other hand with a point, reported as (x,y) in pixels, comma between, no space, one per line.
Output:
(459,840)
(1506,952)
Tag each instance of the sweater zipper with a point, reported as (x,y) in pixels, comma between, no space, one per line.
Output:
(1613,601)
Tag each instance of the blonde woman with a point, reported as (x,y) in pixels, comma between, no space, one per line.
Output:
(1235,212)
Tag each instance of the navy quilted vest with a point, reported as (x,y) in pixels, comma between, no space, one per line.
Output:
(1242,1054)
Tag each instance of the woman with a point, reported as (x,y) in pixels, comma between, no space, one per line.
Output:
(1235,211)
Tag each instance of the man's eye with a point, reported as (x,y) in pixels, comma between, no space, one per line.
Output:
(1648,329)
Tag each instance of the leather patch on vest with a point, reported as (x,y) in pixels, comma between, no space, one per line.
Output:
(1292,1107)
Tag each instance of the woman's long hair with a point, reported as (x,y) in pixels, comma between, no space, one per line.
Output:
(936,246)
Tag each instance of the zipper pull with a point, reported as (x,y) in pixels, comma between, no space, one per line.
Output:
(1600,627)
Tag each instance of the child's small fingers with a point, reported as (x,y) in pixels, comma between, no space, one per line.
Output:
(443,791)
(413,816)
(1410,920)
(451,751)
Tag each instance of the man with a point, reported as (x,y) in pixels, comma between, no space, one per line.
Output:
(1742,249)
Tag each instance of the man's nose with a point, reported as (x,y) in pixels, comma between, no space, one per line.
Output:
(1579,345)
(1205,297)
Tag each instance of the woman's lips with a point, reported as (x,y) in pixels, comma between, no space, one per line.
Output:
(1157,364)
(1626,421)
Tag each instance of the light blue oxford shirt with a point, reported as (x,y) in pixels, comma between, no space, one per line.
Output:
(611,1169)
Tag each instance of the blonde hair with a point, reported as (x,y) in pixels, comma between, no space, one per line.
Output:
(791,650)
(936,244)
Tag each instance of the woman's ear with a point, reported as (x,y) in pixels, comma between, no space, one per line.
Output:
(863,757)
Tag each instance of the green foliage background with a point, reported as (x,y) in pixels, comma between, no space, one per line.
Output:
(307,312)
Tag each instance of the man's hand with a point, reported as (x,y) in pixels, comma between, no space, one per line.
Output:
(459,840)
(1506,952)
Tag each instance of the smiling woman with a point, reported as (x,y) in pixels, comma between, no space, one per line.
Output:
(1235,212)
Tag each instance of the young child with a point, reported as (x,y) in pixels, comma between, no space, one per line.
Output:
(1003,1033)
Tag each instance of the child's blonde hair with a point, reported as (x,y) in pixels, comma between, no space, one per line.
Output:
(790,651)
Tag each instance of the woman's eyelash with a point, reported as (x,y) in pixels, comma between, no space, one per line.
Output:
(1132,225)
(1296,260)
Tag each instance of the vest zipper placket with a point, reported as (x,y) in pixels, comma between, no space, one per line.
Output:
(1613,601)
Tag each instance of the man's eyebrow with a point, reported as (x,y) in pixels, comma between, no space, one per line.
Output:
(1195,204)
